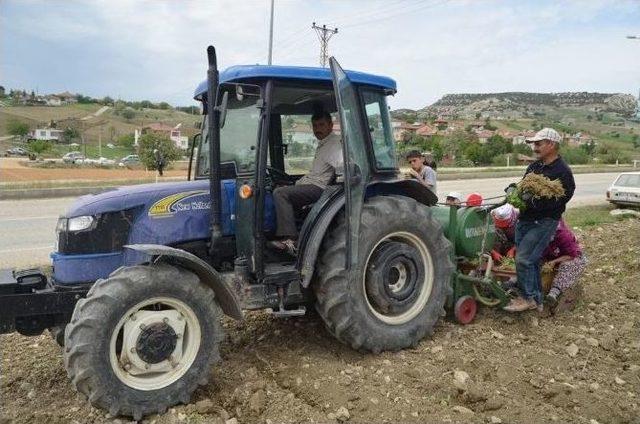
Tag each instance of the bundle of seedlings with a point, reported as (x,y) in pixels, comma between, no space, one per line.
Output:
(534,186)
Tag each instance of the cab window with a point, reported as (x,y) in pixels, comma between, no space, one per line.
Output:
(379,125)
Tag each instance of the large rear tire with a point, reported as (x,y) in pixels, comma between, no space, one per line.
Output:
(402,283)
(143,340)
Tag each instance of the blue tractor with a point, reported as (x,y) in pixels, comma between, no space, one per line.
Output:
(143,275)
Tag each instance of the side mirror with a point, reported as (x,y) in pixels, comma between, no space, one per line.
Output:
(222,108)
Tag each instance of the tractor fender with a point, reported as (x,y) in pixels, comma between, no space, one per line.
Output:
(333,202)
(207,274)
(403,187)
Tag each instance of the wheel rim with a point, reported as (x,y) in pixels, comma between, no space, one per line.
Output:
(155,343)
(398,278)
(465,309)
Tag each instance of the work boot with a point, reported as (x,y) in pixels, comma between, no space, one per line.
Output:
(520,304)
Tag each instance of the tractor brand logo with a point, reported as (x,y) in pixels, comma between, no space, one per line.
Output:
(179,202)
(477,231)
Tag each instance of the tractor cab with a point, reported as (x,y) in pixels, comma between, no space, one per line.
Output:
(264,140)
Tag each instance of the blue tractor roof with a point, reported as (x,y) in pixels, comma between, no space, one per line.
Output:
(245,72)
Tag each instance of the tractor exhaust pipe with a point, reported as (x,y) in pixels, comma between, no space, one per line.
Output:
(213,120)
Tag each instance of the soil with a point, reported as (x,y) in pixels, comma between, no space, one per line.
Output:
(14,170)
(581,366)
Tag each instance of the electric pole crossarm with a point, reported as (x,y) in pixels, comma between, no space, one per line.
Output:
(324,35)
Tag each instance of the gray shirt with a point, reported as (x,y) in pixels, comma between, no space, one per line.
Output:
(327,159)
(428,175)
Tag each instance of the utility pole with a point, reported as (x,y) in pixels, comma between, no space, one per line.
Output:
(324,34)
(271,35)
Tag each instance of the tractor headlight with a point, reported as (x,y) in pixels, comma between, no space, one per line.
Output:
(80,223)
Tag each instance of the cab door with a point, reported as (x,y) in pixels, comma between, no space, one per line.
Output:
(357,169)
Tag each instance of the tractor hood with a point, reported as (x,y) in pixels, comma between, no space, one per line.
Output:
(128,197)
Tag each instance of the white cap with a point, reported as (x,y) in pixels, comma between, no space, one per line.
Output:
(455,195)
(546,134)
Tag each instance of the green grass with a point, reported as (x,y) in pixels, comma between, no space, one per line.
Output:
(590,216)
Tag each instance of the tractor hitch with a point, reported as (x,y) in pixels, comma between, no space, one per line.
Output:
(30,303)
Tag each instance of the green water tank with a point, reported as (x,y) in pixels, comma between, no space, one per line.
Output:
(470,229)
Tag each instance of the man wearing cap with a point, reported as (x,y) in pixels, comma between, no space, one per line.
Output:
(453,198)
(539,221)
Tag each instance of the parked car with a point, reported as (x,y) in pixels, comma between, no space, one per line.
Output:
(87,161)
(106,162)
(17,151)
(625,190)
(130,160)
(73,157)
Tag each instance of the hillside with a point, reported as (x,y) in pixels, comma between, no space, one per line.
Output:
(107,127)
(514,105)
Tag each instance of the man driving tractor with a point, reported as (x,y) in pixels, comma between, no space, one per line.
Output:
(309,188)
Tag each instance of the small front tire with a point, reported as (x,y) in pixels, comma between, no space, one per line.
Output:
(143,339)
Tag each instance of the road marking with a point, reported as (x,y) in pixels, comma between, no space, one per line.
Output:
(27,218)
(26,249)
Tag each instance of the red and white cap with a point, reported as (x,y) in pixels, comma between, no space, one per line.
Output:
(504,216)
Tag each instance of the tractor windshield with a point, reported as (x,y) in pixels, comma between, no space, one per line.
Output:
(238,135)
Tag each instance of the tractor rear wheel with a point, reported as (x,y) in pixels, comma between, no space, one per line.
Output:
(143,339)
(403,279)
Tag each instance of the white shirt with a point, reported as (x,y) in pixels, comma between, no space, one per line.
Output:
(327,159)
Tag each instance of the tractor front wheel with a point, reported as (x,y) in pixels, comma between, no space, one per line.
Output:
(143,339)
(401,283)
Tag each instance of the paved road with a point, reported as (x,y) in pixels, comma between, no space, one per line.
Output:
(27,227)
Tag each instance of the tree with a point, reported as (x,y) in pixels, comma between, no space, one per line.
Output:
(71,134)
(128,114)
(39,146)
(575,155)
(164,105)
(498,145)
(17,128)
(106,100)
(478,154)
(456,143)
(151,141)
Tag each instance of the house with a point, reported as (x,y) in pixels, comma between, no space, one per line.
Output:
(46,134)
(405,131)
(181,142)
(67,98)
(484,135)
(441,123)
(522,136)
(53,100)
(426,131)
(579,139)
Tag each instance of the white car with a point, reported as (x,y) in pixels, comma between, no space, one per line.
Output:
(625,190)
(106,162)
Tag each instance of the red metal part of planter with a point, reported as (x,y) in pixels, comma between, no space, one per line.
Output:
(465,309)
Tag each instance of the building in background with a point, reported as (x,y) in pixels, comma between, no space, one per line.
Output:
(180,141)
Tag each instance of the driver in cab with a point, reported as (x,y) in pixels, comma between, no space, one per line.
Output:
(309,188)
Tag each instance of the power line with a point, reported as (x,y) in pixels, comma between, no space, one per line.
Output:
(324,35)
(400,12)
(385,8)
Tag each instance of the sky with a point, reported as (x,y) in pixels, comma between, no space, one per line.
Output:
(156,50)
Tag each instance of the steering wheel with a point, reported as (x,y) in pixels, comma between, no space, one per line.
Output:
(279,177)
